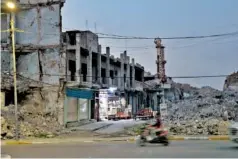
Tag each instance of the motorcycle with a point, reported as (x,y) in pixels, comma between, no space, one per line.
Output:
(145,137)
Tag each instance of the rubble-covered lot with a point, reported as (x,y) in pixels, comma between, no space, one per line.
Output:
(39,115)
(206,112)
(31,124)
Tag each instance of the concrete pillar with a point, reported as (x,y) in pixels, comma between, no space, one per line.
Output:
(108,65)
(78,58)
(155,101)
(142,76)
(8,33)
(99,64)
(125,71)
(128,83)
(122,72)
(89,67)
(134,104)
(133,72)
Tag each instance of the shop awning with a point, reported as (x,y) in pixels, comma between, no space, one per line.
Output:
(79,93)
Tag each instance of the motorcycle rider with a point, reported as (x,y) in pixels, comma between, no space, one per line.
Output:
(156,126)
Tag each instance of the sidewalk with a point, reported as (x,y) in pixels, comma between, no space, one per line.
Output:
(98,139)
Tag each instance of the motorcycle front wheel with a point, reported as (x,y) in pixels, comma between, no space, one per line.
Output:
(139,141)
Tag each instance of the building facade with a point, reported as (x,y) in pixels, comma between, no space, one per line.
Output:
(86,65)
(39,49)
(40,55)
(47,58)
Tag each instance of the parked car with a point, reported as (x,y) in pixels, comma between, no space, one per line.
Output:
(146,113)
(233,132)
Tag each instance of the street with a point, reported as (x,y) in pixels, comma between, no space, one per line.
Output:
(109,127)
(118,126)
(178,149)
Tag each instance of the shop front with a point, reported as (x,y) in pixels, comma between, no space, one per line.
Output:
(110,103)
(77,105)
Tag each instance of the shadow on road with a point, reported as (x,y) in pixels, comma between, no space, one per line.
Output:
(232,148)
(153,145)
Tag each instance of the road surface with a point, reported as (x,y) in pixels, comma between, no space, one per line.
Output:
(177,149)
(110,127)
(118,126)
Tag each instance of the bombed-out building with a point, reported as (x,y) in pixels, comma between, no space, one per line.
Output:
(40,55)
(51,63)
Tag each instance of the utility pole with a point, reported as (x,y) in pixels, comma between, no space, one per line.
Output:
(14,74)
(12,6)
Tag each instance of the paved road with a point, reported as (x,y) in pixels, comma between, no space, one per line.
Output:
(119,125)
(111,126)
(177,149)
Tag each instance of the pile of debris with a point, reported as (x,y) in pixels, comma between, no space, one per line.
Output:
(207,111)
(231,82)
(35,120)
(31,123)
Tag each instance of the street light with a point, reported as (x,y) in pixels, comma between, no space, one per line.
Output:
(11,6)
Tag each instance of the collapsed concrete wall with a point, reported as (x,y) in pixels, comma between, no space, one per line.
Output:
(4,26)
(39,48)
(40,114)
(41,63)
(6,61)
(42,25)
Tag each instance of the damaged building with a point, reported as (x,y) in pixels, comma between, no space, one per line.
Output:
(87,66)
(40,56)
(50,62)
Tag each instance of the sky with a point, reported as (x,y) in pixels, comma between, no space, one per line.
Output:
(165,18)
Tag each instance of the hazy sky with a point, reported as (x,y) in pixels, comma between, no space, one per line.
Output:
(165,18)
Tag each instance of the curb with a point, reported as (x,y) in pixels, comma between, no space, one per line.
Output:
(174,138)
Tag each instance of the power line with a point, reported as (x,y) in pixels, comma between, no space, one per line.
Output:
(27,78)
(122,37)
(115,36)
(173,38)
(212,76)
(173,77)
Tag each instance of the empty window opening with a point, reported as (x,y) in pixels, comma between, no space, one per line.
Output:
(111,74)
(72,69)
(103,72)
(84,71)
(138,75)
(9,97)
(72,39)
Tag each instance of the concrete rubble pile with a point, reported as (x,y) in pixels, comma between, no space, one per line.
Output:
(206,111)
(231,82)
(34,120)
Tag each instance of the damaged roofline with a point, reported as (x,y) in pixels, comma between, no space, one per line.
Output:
(41,4)
(79,31)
